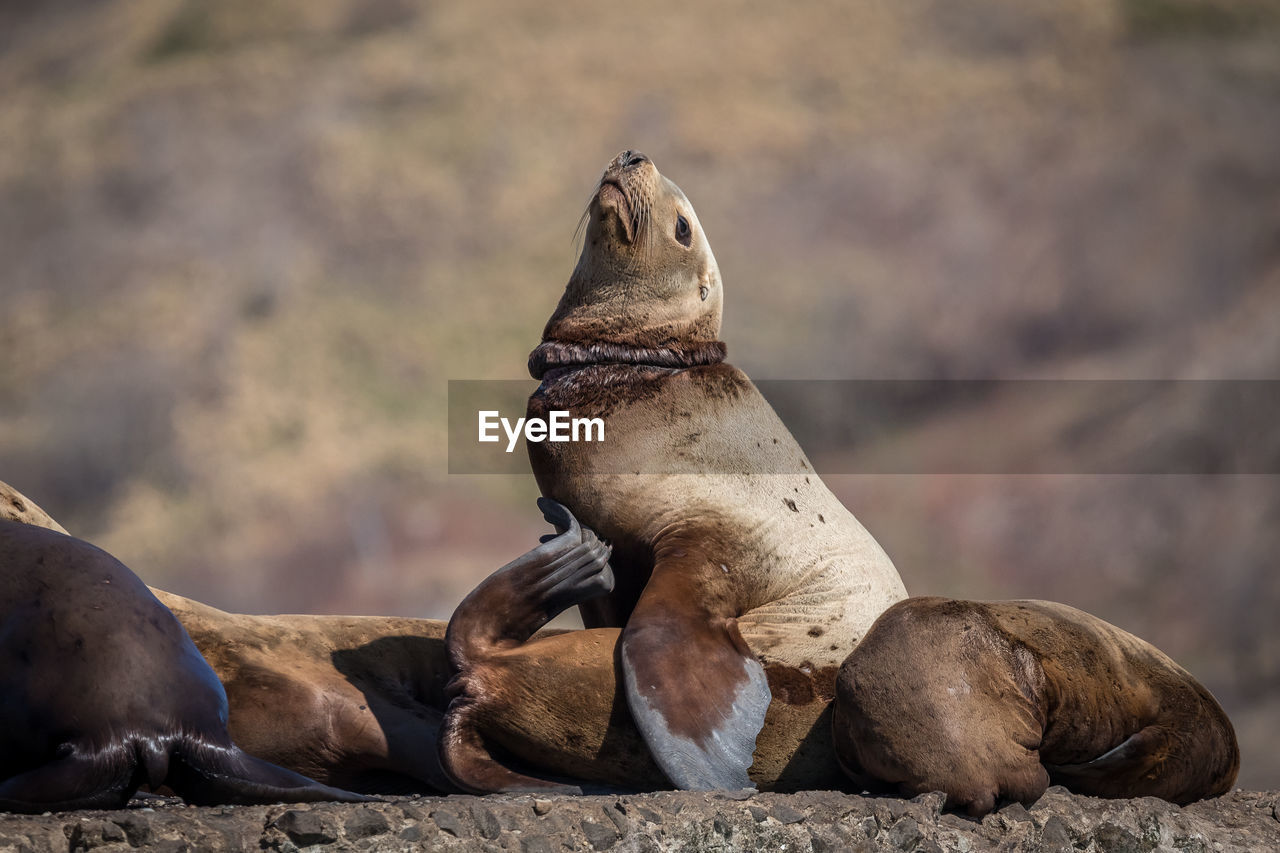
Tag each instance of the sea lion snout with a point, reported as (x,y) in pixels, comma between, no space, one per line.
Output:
(611,198)
(625,193)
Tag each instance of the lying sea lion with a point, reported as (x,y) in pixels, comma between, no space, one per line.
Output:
(351,701)
(995,700)
(102,691)
(357,701)
(738,573)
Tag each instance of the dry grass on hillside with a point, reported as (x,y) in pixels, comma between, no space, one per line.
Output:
(247,244)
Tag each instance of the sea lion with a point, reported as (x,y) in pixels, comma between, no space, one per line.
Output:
(738,574)
(357,701)
(995,700)
(101,690)
(350,701)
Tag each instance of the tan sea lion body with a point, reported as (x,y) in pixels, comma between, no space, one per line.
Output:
(995,700)
(352,701)
(357,701)
(736,567)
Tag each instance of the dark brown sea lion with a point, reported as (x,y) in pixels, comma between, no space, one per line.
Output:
(995,700)
(102,691)
(737,570)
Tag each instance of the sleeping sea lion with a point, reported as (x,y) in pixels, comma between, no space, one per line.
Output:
(992,701)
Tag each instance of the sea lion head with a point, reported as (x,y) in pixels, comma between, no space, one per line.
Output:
(646,288)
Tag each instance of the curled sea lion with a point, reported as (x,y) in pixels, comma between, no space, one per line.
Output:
(995,700)
(738,574)
(549,711)
(101,690)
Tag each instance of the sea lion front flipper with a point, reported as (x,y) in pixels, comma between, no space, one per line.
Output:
(206,774)
(75,781)
(695,690)
(1131,768)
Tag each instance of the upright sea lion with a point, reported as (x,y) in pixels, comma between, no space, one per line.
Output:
(738,573)
(995,700)
(101,690)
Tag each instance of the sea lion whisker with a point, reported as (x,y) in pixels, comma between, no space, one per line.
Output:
(580,233)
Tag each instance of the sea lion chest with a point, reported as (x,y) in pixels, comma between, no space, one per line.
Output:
(697,456)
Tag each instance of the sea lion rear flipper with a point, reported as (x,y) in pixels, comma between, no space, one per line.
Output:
(696,692)
(514,602)
(500,614)
(1122,769)
(207,774)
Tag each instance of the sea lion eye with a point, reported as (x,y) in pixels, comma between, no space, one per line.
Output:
(682,230)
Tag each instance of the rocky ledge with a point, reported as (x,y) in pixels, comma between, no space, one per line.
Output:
(816,820)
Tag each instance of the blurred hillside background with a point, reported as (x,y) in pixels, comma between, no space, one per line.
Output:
(244,246)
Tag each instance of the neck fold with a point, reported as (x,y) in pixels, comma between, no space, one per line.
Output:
(553,354)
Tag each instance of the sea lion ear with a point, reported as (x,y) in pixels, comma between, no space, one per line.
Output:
(696,692)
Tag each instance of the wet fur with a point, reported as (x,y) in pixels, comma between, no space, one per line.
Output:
(101,690)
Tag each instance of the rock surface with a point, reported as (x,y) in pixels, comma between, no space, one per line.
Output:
(817,820)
